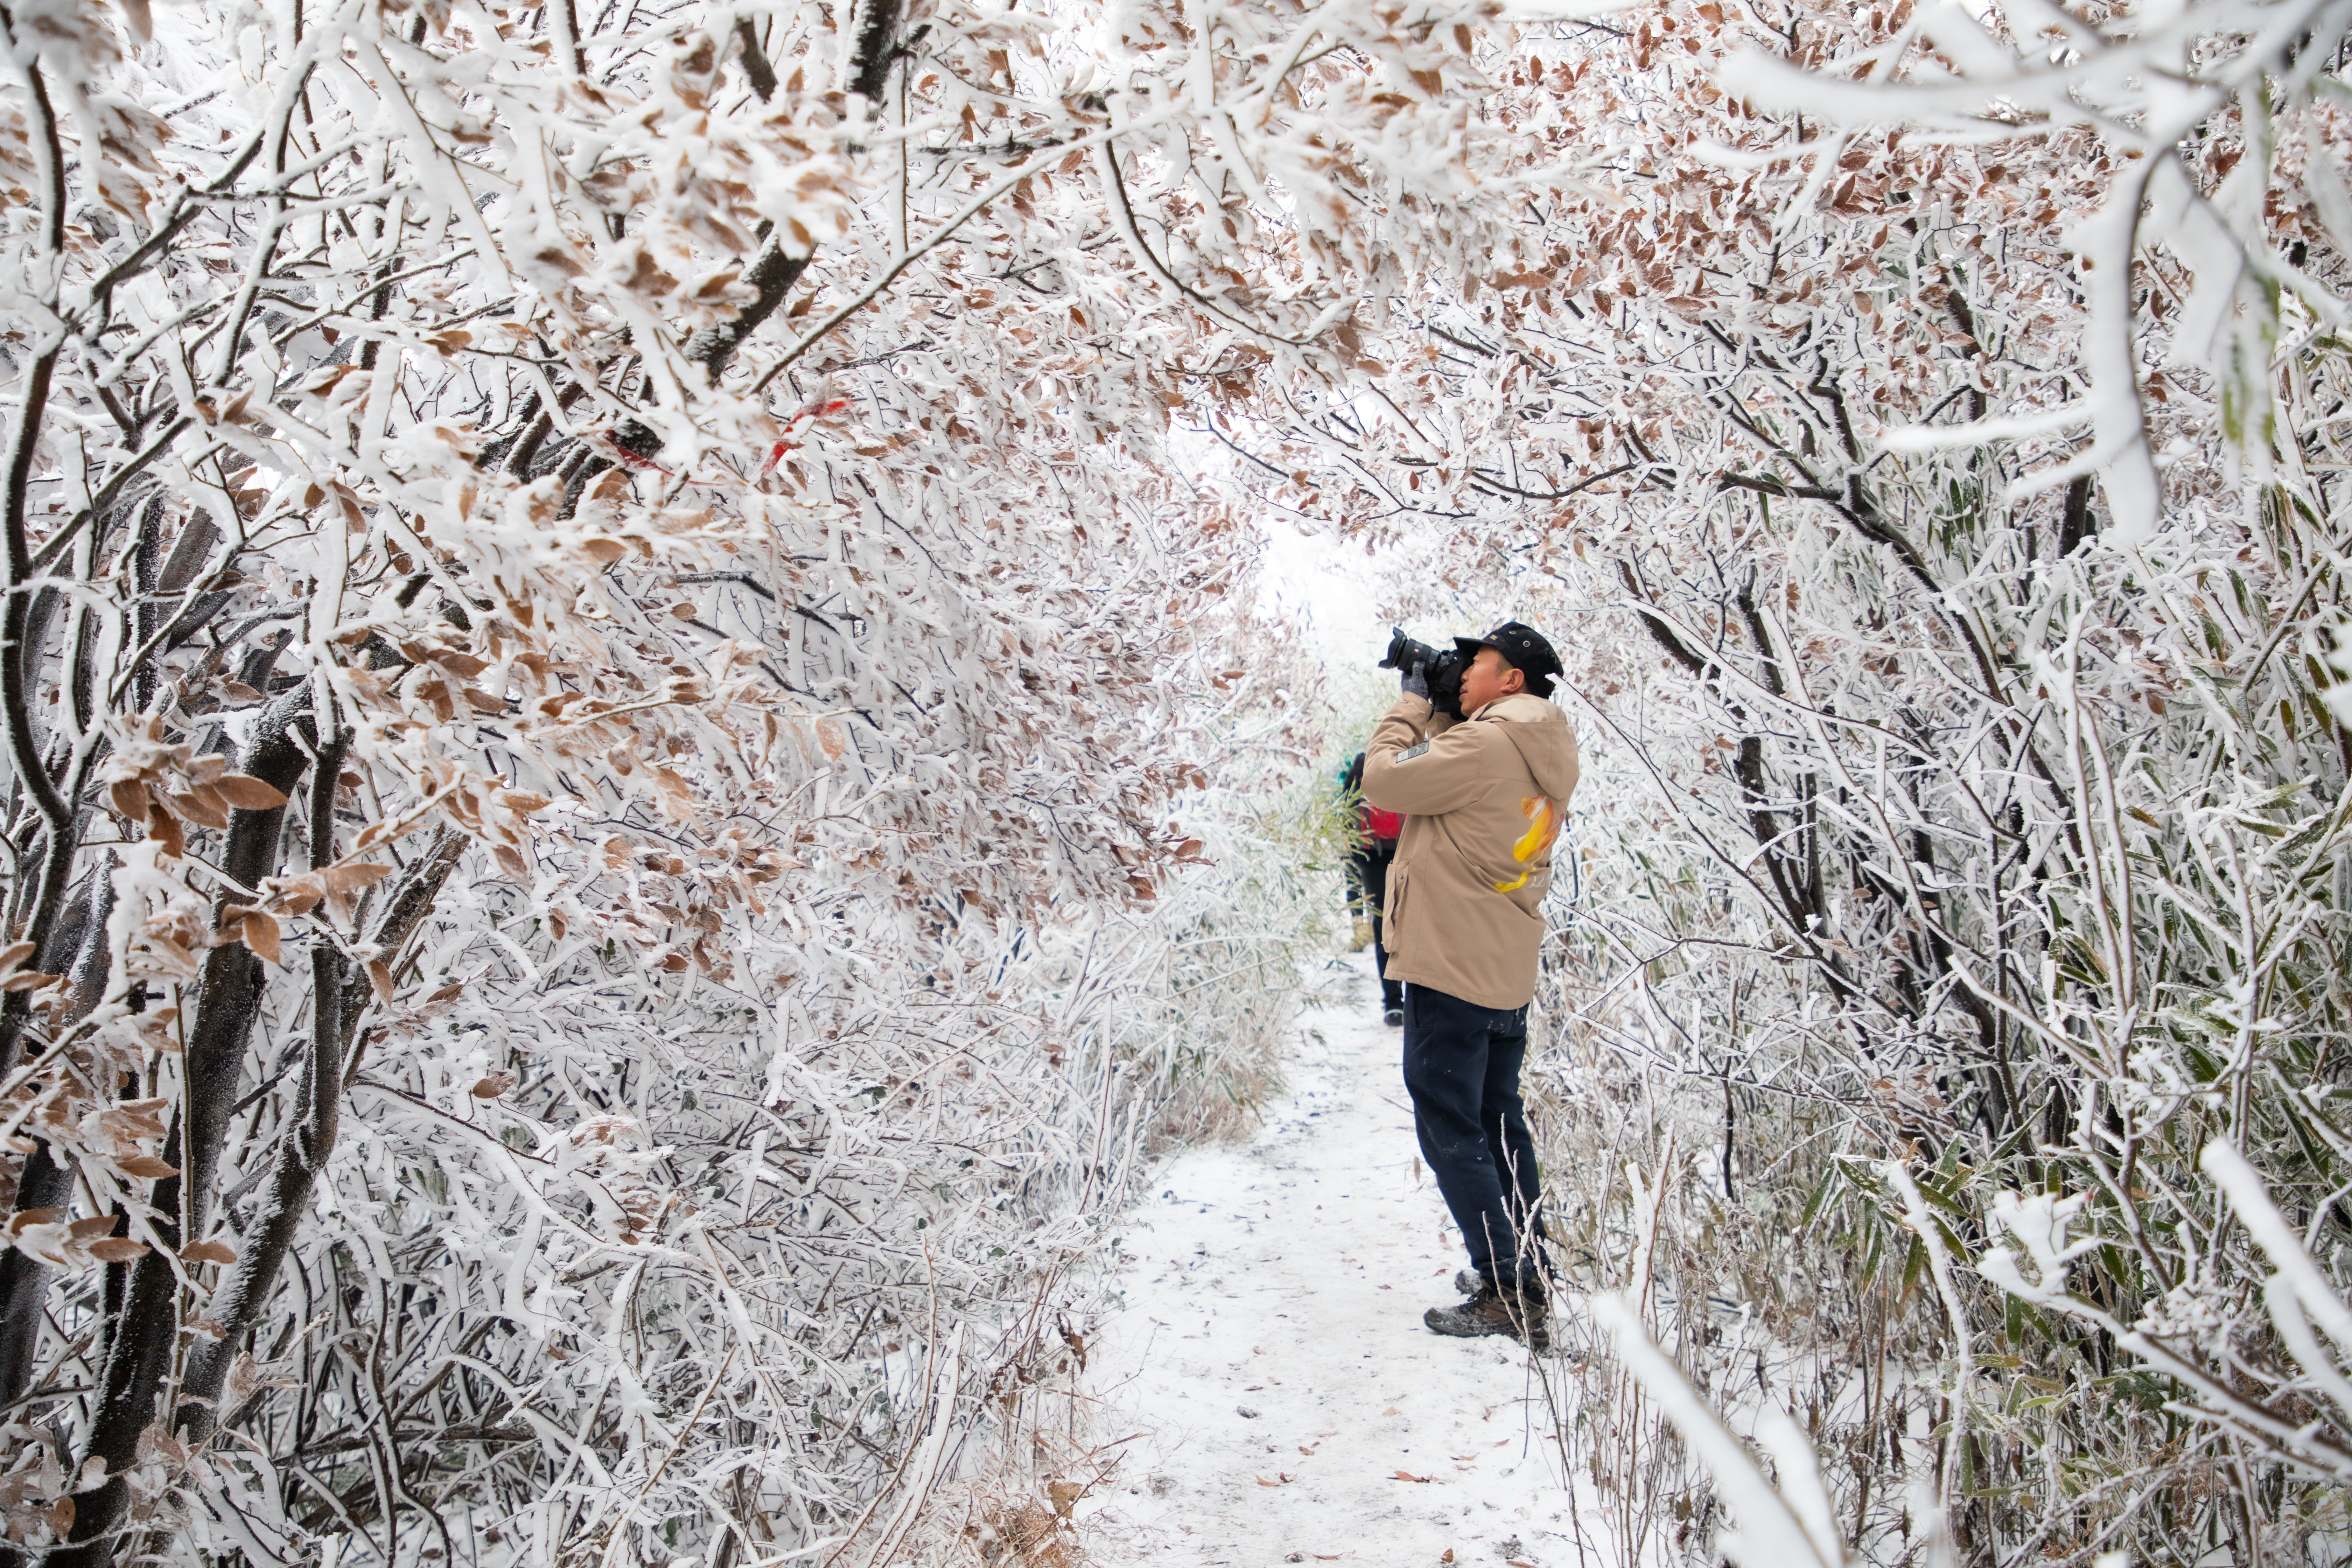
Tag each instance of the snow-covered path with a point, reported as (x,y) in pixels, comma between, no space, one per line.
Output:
(1268,1358)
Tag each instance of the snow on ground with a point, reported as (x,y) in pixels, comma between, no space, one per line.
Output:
(1265,1355)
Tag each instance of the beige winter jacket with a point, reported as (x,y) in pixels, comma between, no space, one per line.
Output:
(1483,807)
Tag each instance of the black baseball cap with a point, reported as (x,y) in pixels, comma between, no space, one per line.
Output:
(1523,647)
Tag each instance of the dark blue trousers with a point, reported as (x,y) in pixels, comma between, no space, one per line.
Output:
(1462,1067)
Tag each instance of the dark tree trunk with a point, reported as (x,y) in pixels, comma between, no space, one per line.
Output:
(228,997)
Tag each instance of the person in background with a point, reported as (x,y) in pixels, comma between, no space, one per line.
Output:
(1360,909)
(1486,802)
(1368,877)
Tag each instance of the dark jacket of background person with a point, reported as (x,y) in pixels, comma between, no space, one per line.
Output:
(1372,843)
(1362,902)
(1483,807)
(1369,860)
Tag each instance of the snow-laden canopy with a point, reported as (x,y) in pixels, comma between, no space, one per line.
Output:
(639,732)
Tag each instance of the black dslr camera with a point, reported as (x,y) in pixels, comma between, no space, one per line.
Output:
(1445,668)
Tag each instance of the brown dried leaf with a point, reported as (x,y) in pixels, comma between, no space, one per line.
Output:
(204,813)
(496,1084)
(130,798)
(164,949)
(376,833)
(246,792)
(352,875)
(298,897)
(14,956)
(326,380)
(258,930)
(379,979)
(116,1249)
(210,1250)
(164,829)
(146,1167)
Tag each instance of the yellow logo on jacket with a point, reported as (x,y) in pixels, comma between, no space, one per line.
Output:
(1534,848)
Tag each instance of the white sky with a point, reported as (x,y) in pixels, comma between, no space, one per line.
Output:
(1316,580)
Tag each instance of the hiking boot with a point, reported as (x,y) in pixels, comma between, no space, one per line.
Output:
(1470,1282)
(1520,1314)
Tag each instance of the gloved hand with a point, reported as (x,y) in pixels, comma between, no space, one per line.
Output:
(1415,680)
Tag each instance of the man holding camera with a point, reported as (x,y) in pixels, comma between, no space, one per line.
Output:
(1483,805)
